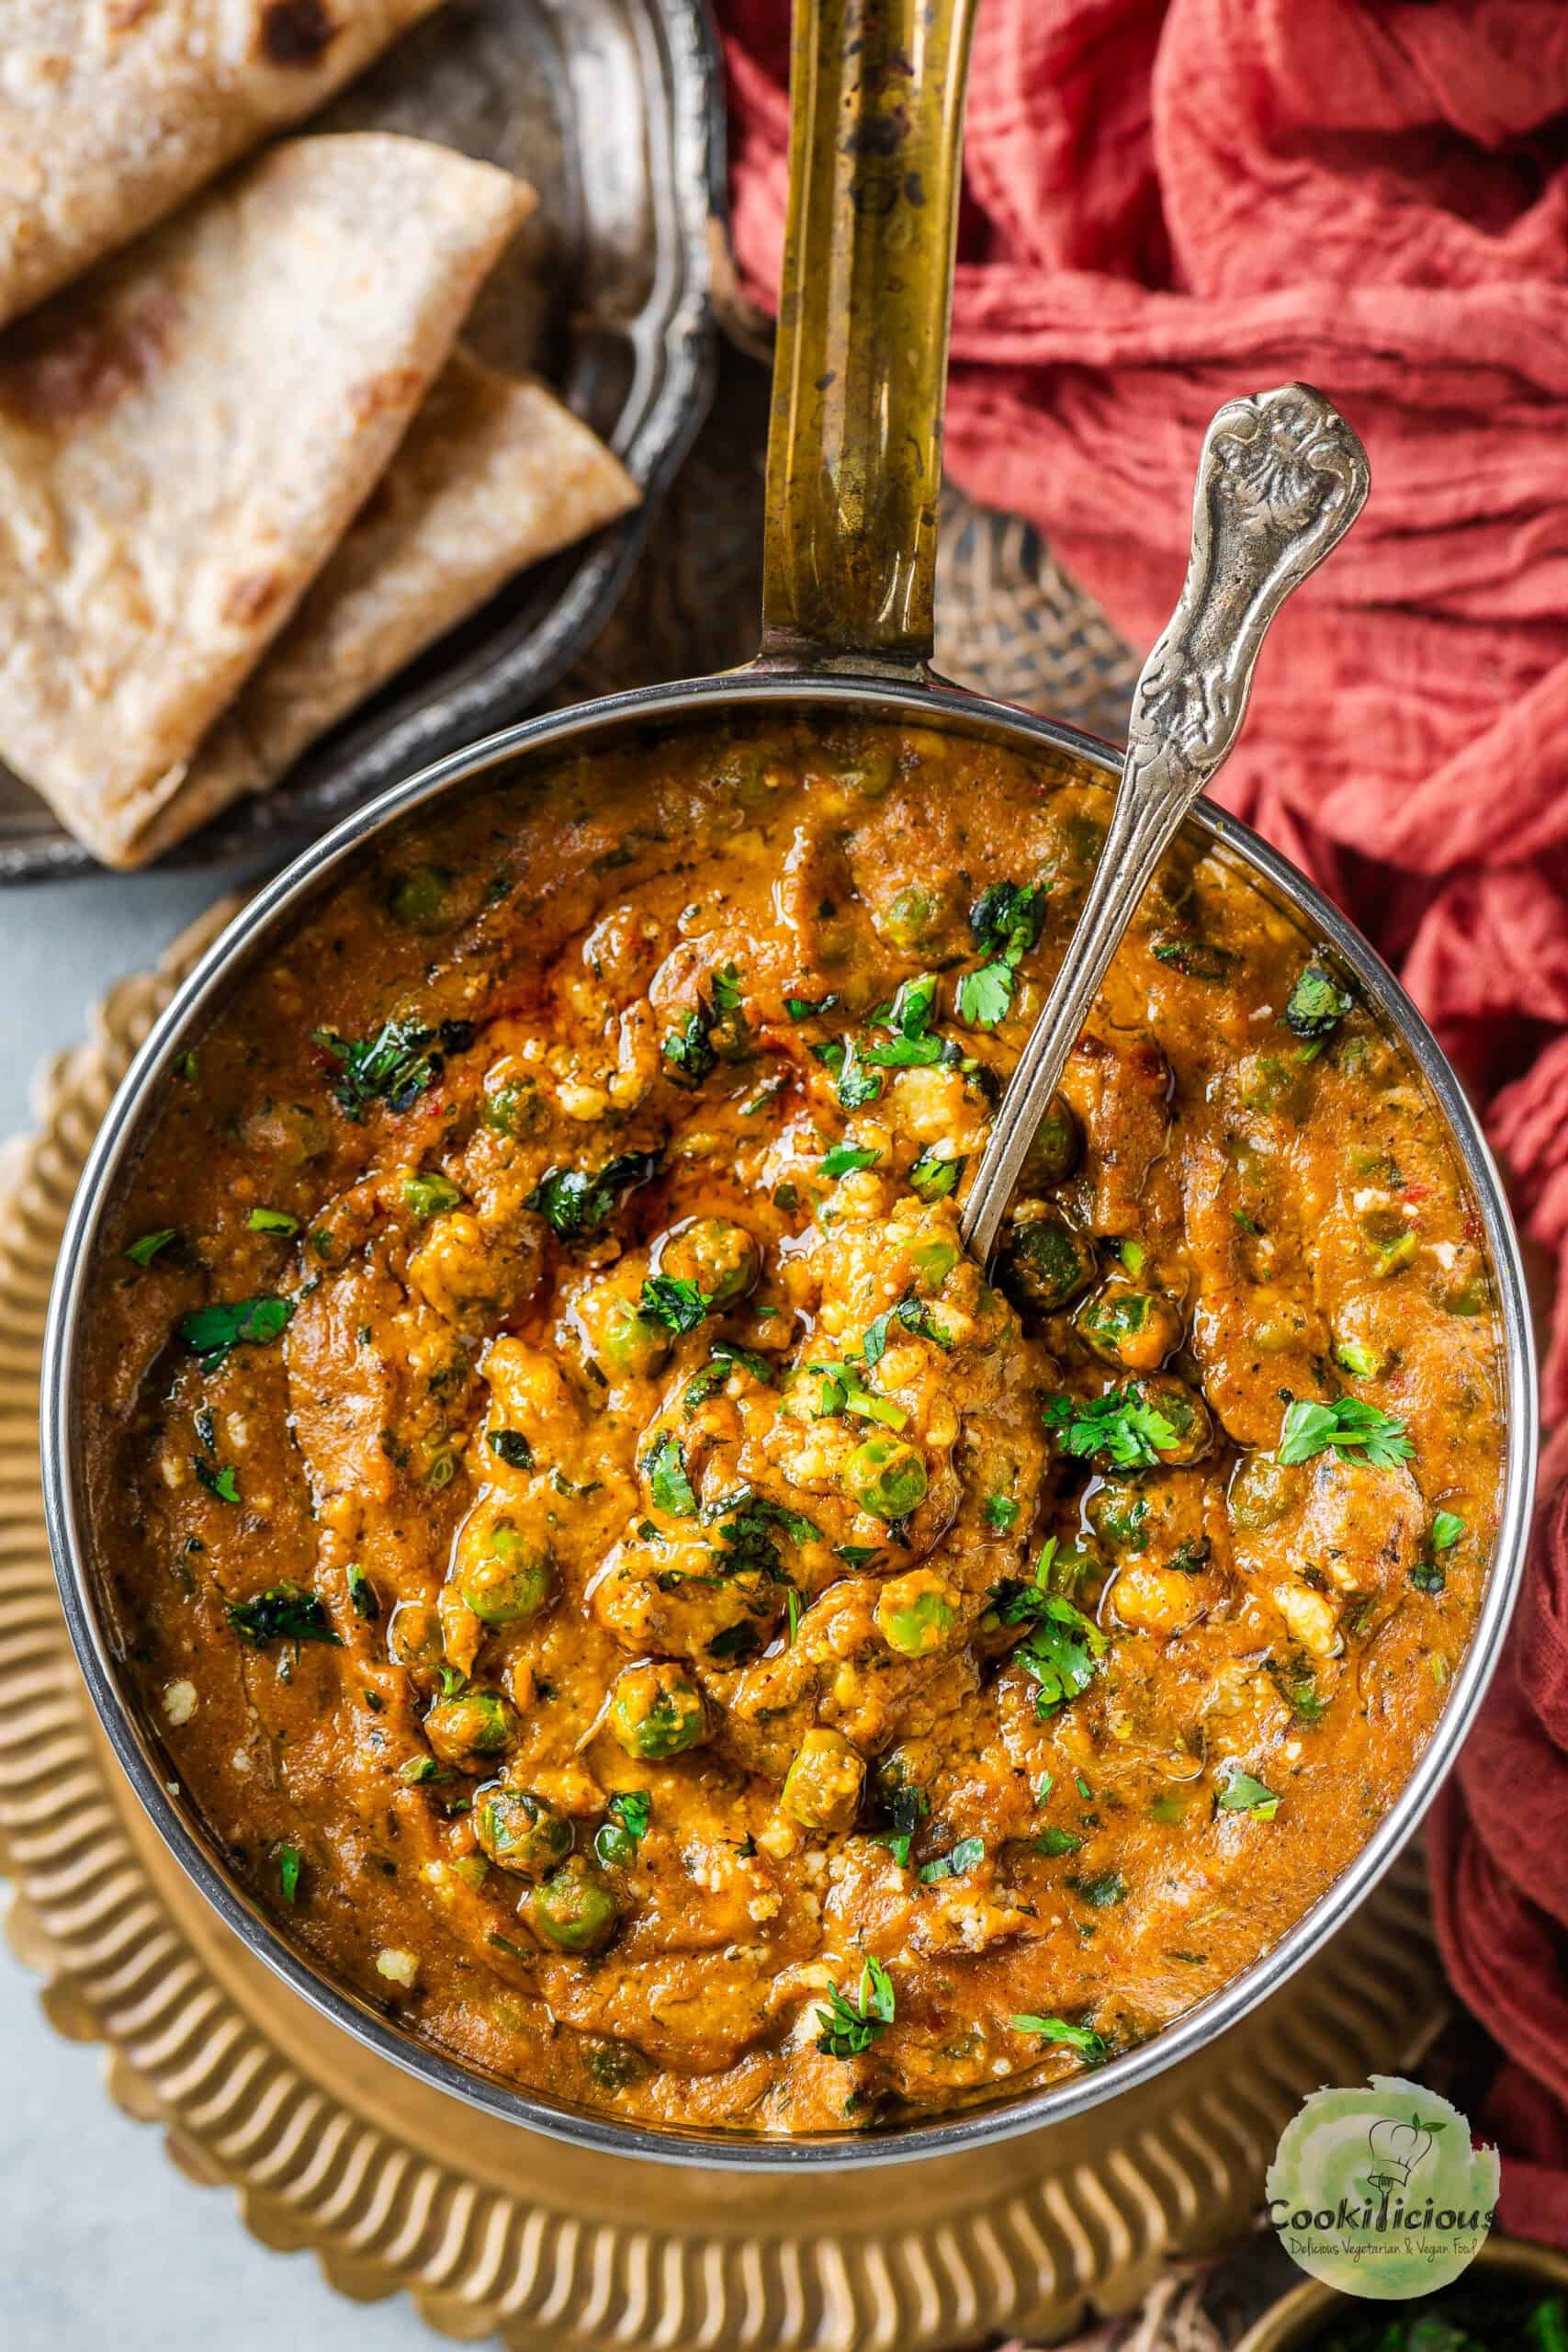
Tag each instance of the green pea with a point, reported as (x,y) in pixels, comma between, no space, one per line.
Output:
(1047,1264)
(718,1255)
(1136,1327)
(656,1711)
(576,1908)
(1185,1411)
(511,1579)
(1058,1145)
(614,1845)
(822,1787)
(1119,1514)
(915,1613)
(418,899)
(413,1635)
(913,920)
(1262,1492)
(467,1730)
(885,1477)
(519,1831)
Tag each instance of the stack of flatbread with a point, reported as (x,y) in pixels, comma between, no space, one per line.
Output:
(246,469)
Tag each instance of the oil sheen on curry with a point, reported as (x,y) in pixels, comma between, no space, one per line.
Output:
(629,1593)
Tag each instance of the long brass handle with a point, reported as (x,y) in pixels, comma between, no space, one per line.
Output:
(1281,480)
(854,449)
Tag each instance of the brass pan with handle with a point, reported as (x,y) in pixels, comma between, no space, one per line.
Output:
(854,478)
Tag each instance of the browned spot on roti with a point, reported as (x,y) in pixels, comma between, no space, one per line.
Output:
(393,387)
(248,598)
(295,32)
(66,363)
(124,16)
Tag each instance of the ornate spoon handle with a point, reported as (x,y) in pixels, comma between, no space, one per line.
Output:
(1281,480)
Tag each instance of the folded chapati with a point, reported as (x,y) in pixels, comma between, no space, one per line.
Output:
(112,110)
(494,473)
(185,439)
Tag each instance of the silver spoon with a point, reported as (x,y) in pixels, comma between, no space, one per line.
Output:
(1281,480)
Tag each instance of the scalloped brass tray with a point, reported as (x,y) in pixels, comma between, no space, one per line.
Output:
(394,2185)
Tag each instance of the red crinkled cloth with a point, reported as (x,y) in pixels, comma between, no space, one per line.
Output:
(1171,201)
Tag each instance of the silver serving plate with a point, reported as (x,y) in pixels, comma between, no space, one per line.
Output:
(850,689)
(614,109)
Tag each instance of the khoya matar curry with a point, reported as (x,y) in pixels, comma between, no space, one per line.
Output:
(628,1593)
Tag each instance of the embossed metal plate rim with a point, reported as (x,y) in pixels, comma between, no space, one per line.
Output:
(488,668)
(247,938)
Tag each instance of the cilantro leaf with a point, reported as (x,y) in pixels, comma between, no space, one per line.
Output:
(913,1006)
(1347,1423)
(1317,1003)
(1006,919)
(848,2028)
(511,1447)
(1120,1423)
(213,1332)
(1057,1841)
(284,1612)
(965,1856)
(1001,1512)
(857,1085)
(678,1304)
(633,1808)
(223,1483)
(1090,2046)
(1239,1792)
(142,1251)
(1062,1652)
(276,1221)
(985,996)
(394,1066)
(804,1008)
(573,1203)
(665,1468)
(1196,960)
(363,1593)
(933,1178)
(290,1862)
(845,1158)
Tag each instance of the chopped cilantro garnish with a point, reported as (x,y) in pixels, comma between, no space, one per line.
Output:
(1108,1888)
(573,1203)
(965,1856)
(1346,1424)
(1006,920)
(511,1447)
(394,1066)
(803,1008)
(273,1221)
(284,1612)
(1121,1424)
(985,996)
(1061,1650)
(363,1593)
(844,1158)
(1239,1792)
(1001,1512)
(857,1085)
(289,1862)
(666,1299)
(1057,1841)
(224,1483)
(667,1481)
(848,2028)
(633,1808)
(1090,2046)
(1317,1003)
(214,1332)
(142,1251)
(933,1177)
(1195,959)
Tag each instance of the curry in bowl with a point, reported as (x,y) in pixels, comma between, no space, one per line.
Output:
(627,1592)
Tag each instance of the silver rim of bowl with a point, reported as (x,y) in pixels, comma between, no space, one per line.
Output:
(479,767)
